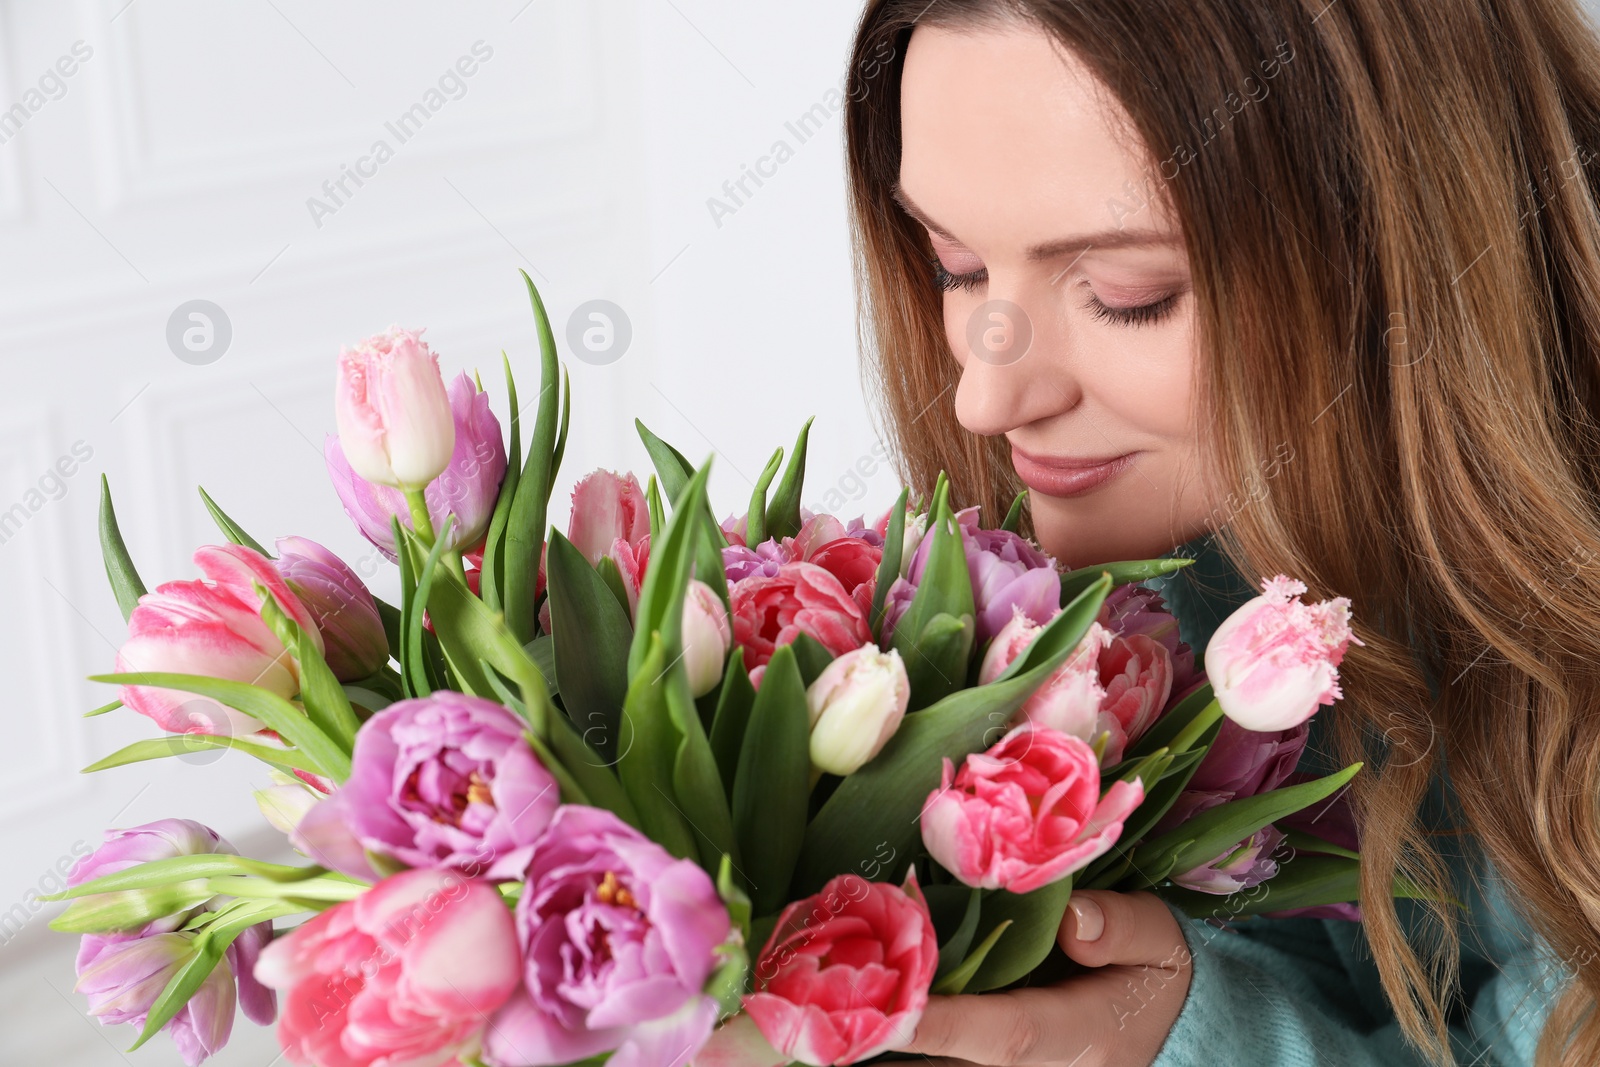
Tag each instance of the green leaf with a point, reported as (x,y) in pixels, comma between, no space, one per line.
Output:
(953,951)
(773,782)
(658,511)
(1139,570)
(956,981)
(695,782)
(591,771)
(476,632)
(935,652)
(326,705)
(671,466)
(1215,831)
(230,529)
(735,898)
(183,744)
(103,913)
(646,764)
(1301,841)
(1013,520)
(155,873)
(1167,728)
(592,637)
(882,802)
(1035,919)
(120,571)
(419,605)
(894,543)
(811,657)
(1305,881)
(756,518)
(273,712)
(102,709)
(783,514)
(494,549)
(661,596)
(734,701)
(525,529)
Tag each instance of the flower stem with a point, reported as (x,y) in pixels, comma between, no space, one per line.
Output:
(421,521)
(1197,726)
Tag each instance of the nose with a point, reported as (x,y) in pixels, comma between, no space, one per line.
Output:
(1010,373)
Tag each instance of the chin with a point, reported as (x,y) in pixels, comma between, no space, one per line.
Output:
(1086,532)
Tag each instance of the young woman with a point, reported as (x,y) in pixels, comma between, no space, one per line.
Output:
(1314,281)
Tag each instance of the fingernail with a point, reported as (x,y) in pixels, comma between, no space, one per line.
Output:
(1089,920)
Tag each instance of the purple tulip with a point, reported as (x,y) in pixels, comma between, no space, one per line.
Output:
(1244,866)
(618,939)
(1007,571)
(122,974)
(1240,763)
(467,489)
(340,603)
(447,780)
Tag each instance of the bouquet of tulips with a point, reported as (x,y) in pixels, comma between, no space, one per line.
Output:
(664,789)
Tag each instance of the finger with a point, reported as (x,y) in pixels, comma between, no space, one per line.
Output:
(1102,928)
(1025,1026)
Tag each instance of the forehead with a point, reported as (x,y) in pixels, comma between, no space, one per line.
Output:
(1003,131)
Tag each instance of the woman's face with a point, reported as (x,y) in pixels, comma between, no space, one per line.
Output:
(1067,296)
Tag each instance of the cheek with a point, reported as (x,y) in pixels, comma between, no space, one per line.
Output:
(1149,383)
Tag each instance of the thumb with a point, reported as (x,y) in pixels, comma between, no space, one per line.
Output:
(1102,928)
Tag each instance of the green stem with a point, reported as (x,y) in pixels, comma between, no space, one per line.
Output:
(1197,726)
(453,558)
(310,889)
(421,521)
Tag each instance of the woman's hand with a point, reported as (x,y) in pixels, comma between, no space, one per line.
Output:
(1115,1016)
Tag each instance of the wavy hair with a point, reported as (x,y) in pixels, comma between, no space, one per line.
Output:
(1395,249)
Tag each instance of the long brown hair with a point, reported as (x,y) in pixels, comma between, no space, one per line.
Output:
(1395,250)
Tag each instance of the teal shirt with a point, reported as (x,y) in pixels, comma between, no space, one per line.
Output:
(1303,992)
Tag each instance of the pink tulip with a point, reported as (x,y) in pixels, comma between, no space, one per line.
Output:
(800,598)
(468,488)
(406,973)
(1244,866)
(213,627)
(1071,699)
(1131,609)
(345,613)
(1136,672)
(856,705)
(1026,813)
(393,414)
(1274,661)
(606,508)
(706,637)
(845,974)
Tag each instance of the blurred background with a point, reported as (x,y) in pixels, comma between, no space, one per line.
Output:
(200,202)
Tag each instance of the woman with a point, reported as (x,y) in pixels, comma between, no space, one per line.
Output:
(1314,280)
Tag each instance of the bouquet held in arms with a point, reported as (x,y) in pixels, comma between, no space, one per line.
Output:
(664,789)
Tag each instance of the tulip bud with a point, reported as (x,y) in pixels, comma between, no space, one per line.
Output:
(345,613)
(856,705)
(706,637)
(1274,661)
(393,413)
(284,803)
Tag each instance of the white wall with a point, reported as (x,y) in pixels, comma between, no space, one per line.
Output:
(176,165)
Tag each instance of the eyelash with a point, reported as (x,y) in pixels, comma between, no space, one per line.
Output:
(1142,315)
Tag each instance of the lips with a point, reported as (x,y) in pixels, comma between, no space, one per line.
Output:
(1067,476)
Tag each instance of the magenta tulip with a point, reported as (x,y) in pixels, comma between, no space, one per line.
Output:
(467,488)
(346,615)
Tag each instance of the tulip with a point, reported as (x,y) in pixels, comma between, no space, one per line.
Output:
(843,977)
(856,705)
(284,803)
(346,615)
(213,627)
(468,488)
(406,973)
(619,938)
(1131,609)
(394,419)
(1026,813)
(1244,866)
(1240,763)
(606,508)
(1136,672)
(446,780)
(122,977)
(1274,661)
(1070,700)
(800,598)
(707,636)
(122,973)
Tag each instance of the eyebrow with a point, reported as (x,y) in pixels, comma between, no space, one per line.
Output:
(1080,243)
